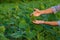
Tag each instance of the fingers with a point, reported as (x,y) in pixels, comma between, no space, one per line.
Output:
(34,21)
(36,9)
(38,22)
(33,13)
(36,12)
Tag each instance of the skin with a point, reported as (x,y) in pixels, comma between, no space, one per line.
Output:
(38,12)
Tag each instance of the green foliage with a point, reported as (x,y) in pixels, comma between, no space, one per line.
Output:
(2,29)
(2,37)
(16,22)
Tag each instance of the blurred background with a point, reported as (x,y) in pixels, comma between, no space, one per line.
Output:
(16,22)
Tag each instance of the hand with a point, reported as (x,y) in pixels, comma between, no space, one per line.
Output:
(37,12)
(38,22)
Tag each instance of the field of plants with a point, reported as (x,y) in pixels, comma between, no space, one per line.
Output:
(16,22)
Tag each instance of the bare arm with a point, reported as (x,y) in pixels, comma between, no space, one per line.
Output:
(53,9)
(47,11)
(53,23)
(38,12)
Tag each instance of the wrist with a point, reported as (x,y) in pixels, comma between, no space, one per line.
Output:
(47,11)
(43,12)
(45,22)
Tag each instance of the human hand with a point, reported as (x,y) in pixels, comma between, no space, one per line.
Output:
(37,12)
(38,22)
